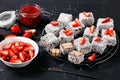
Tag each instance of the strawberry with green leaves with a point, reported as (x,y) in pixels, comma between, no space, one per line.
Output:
(29,33)
(16,29)
(33,31)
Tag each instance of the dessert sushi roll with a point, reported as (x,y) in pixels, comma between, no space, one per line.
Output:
(90,32)
(99,44)
(76,26)
(104,23)
(86,18)
(53,27)
(55,52)
(110,35)
(48,41)
(64,18)
(83,45)
(76,57)
(66,36)
(65,48)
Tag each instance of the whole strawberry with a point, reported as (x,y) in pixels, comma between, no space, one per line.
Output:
(16,29)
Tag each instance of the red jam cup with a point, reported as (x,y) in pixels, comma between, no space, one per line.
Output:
(30,15)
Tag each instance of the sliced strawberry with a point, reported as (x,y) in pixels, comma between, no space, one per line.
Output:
(29,48)
(82,41)
(4,52)
(27,59)
(4,58)
(13,57)
(22,44)
(17,44)
(31,53)
(106,20)
(92,29)
(26,54)
(21,56)
(33,31)
(19,48)
(92,57)
(106,32)
(16,61)
(11,53)
(75,25)
(54,23)
(18,52)
(7,46)
(98,39)
(87,14)
(109,32)
(77,21)
(69,33)
(27,34)
(66,31)
(14,49)
(10,35)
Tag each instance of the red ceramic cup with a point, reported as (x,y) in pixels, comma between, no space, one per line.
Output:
(30,15)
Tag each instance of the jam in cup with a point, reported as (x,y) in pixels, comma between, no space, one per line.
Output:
(30,15)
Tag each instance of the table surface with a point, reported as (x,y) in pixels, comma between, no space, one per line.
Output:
(108,70)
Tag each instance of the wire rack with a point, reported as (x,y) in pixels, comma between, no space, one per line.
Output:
(100,58)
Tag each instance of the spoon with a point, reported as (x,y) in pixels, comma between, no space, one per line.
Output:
(55,69)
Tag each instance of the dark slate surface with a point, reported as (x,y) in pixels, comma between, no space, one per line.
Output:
(108,70)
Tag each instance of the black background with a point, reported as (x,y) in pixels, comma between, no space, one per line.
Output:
(108,70)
